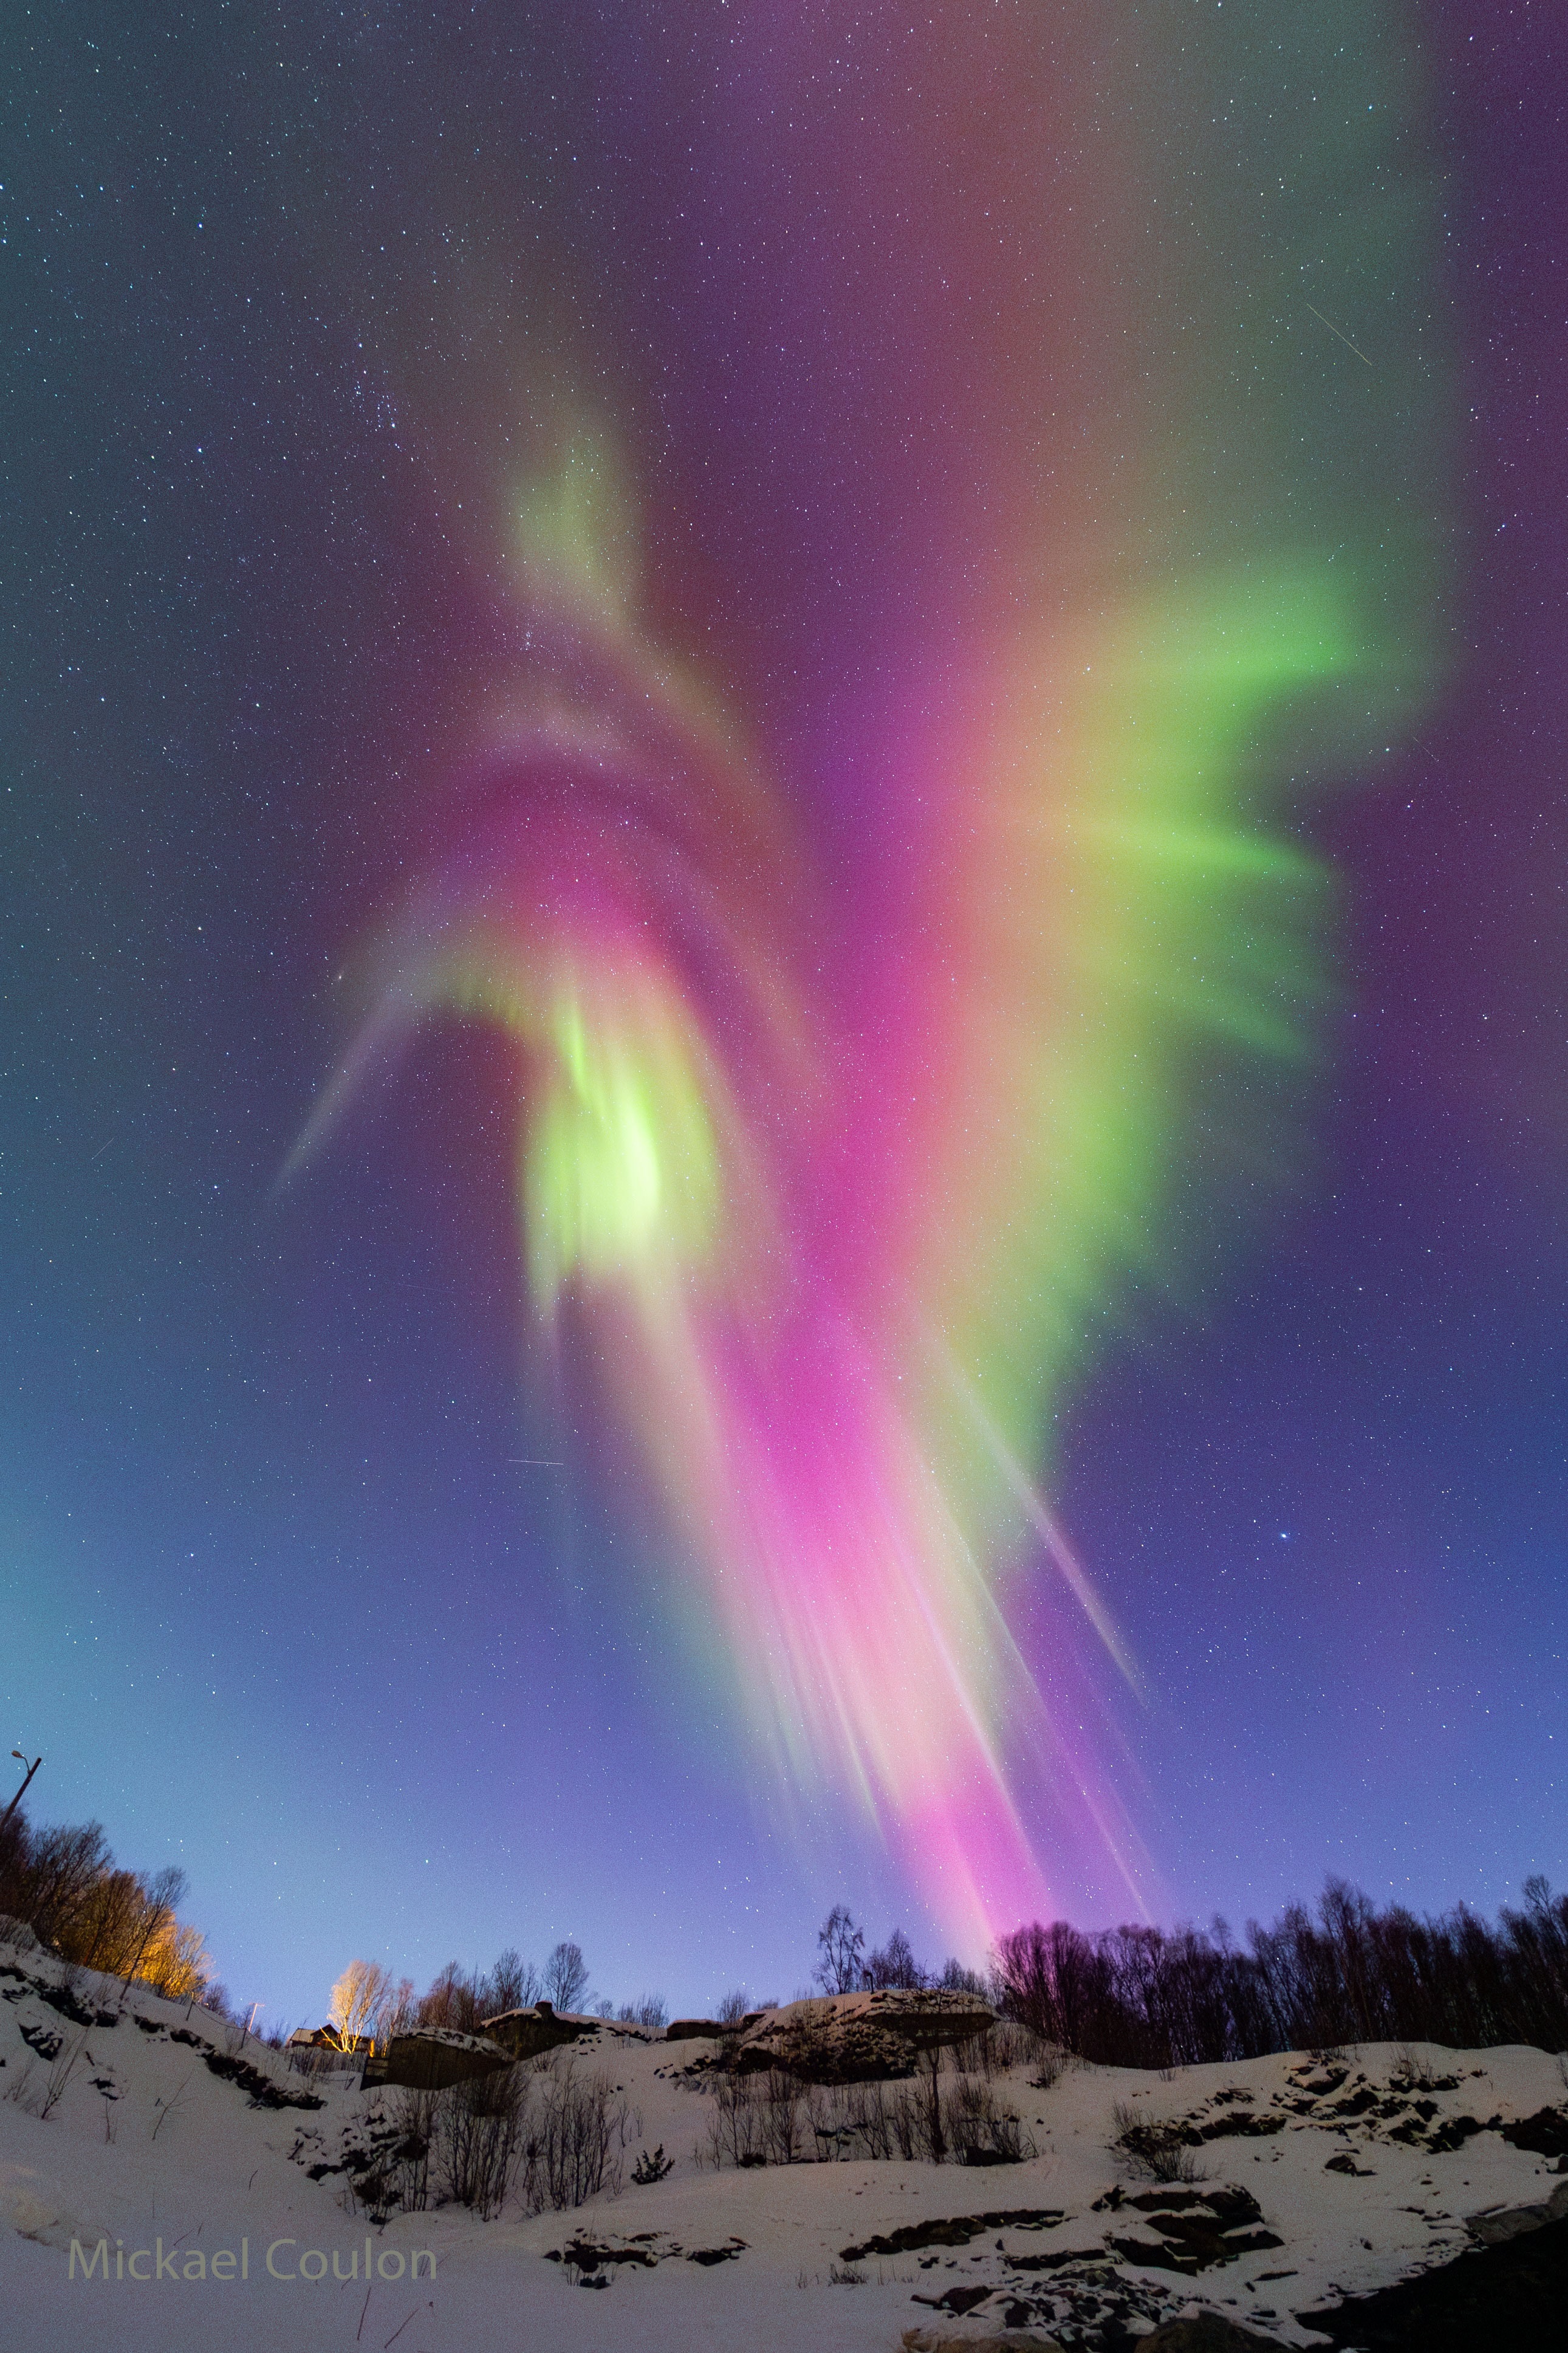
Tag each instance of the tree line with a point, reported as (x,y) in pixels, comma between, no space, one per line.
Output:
(67,1886)
(1349,1972)
(1352,1973)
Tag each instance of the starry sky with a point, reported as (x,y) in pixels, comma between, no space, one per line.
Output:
(321,1574)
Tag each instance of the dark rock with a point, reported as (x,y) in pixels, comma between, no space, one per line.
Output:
(1512,2221)
(526,2033)
(61,1998)
(1197,2229)
(1245,2125)
(953,2231)
(856,2037)
(1546,2132)
(693,2029)
(927,2340)
(429,2058)
(1056,2259)
(1206,2332)
(261,2089)
(958,2300)
(1346,2163)
(1452,2134)
(584,2256)
(1511,2294)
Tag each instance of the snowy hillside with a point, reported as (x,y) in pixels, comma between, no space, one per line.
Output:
(128,2123)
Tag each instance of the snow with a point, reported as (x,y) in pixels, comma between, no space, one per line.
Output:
(148,2148)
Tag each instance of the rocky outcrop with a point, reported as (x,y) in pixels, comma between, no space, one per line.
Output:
(428,2057)
(1011,2340)
(1501,2223)
(527,2034)
(851,2038)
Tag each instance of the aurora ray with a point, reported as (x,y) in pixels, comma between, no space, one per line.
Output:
(851,1193)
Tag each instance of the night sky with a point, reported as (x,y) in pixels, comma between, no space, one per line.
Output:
(326,1572)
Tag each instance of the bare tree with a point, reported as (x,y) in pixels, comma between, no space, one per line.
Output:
(453,1999)
(361,1993)
(566,1975)
(160,1897)
(895,1964)
(512,1983)
(840,1946)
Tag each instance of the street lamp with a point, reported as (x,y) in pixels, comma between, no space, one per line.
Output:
(22,1792)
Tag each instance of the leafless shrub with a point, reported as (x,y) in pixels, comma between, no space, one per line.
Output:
(166,2109)
(783,2109)
(1047,2068)
(758,2118)
(980,2130)
(840,2276)
(1161,2152)
(879,2121)
(61,2069)
(734,2127)
(734,2007)
(478,2138)
(1411,2072)
(879,2118)
(404,2183)
(576,2143)
(20,2091)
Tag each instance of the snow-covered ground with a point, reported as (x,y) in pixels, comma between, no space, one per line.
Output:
(160,2136)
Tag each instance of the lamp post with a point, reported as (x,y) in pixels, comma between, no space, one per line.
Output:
(22,1792)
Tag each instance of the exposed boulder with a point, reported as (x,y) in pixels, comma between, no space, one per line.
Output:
(1206,2332)
(1011,2340)
(527,2034)
(854,2038)
(1503,2222)
(428,2057)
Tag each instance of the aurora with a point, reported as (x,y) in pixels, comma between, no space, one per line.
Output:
(850,1182)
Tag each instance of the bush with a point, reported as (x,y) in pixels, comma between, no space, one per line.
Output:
(1161,2152)
(577,2141)
(477,2141)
